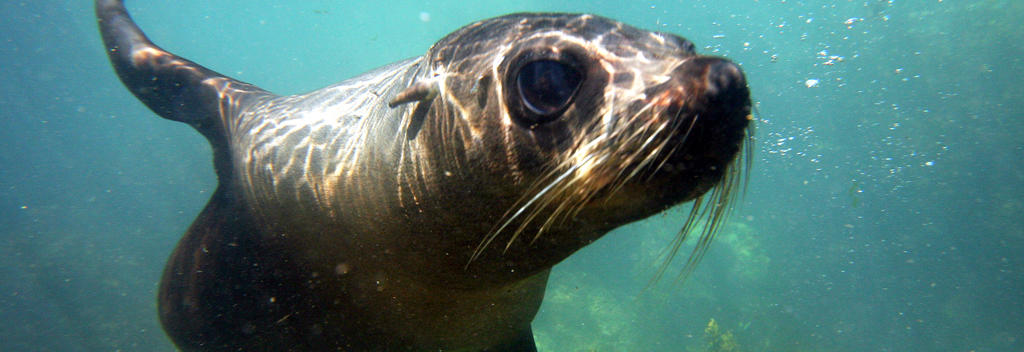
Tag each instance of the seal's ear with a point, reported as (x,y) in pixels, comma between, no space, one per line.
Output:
(422,92)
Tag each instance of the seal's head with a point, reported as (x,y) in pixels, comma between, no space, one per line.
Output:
(595,123)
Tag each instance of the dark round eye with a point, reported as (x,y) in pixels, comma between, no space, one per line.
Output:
(547,87)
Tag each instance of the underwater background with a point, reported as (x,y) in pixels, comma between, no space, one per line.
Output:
(884,209)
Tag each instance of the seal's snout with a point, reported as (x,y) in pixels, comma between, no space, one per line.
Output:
(710,105)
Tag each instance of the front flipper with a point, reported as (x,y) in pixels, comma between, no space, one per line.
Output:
(219,290)
(173,87)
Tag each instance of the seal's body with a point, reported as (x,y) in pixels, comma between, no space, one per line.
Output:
(421,206)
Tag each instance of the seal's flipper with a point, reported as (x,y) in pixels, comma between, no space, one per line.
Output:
(208,280)
(173,87)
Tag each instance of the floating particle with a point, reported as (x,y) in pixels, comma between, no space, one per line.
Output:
(850,21)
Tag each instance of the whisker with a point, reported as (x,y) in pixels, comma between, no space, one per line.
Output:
(711,210)
(508,219)
(682,141)
(620,179)
(678,240)
(536,210)
(653,154)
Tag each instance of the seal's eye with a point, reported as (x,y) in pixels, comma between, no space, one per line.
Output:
(547,87)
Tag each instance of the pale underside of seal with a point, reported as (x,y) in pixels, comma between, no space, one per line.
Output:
(420,206)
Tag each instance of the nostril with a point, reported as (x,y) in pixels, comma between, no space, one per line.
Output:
(725,81)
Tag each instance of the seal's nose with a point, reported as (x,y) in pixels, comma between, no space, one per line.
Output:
(725,83)
(711,87)
(710,82)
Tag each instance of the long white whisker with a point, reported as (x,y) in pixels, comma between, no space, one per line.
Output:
(682,141)
(494,234)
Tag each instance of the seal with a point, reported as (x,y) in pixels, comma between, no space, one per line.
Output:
(421,206)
